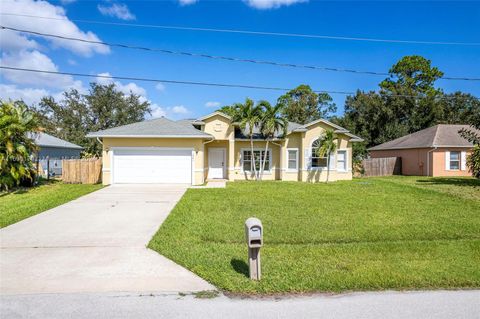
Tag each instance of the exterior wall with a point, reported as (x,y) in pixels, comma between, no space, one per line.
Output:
(423,161)
(217,144)
(219,127)
(320,174)
(273,174)
(416,161)
(439,168)
(195,143)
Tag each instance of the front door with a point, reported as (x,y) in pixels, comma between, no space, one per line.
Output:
(216,163)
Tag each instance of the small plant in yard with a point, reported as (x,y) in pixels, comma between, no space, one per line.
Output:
(328,145)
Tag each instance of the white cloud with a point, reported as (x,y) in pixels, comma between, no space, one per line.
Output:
(187,2)
(117,10)
(179,109)
(157,111)
(13,41)
(29,95)
(60,25)
(26,59)
(72,62)
(160,87)
(212,104)
(104,78)
(271,4)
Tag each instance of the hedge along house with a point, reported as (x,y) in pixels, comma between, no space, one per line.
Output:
(436,151)
(213,147)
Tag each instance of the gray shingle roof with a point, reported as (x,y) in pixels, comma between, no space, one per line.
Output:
(441,135)
(46,140)
(160,127)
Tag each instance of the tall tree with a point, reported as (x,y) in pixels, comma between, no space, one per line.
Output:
(248,116)
(18,126)
(328,145)
(302,105)
(78,114)
(407,101)
(271,122)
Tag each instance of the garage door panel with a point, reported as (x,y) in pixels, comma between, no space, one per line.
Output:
(152,166)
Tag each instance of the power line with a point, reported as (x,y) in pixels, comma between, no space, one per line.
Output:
(241,86)
(231,59)
(264,33)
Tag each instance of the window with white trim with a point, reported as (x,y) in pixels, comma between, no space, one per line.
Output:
(342,161)
(454,160)
(247,160)
(317,161)
(292,159)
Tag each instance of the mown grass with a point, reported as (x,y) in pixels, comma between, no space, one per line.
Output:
(25,202)
(365,234)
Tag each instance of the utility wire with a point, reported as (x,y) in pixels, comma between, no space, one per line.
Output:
(231,59)
(241,86)
(265,33)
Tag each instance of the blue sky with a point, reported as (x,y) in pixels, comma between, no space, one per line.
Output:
(428,21)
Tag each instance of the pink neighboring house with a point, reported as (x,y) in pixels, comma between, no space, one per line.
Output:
(436,151)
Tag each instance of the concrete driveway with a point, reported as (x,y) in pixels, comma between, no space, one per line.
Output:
(96,243)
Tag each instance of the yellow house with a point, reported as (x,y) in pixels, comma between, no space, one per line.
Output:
(213,147)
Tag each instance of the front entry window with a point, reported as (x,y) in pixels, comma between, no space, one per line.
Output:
(317,161)
(247,160)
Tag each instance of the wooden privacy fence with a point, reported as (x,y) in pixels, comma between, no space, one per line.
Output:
(384,166)
(82,171)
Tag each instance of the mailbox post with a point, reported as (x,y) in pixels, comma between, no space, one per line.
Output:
(254,237)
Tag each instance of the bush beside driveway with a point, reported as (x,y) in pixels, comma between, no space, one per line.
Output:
(365,234)
(26,202)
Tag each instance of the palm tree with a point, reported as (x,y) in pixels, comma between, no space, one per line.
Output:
(248,116)
(328,145)
(17,124)
(272,121)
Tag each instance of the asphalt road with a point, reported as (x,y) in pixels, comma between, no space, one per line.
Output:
(391,305)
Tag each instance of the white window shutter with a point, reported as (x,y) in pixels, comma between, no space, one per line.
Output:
(332,161)
(308,159)
(463,161)
(447,160)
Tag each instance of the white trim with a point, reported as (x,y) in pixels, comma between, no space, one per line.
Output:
(213,114)
(450,161)
(224,173)
(140,148)
(256,149)
(346,160)
(198,170)
(463,161)
(287,169)
(310,155)
(105,170)
(150,136)
(447,160)
(325,122)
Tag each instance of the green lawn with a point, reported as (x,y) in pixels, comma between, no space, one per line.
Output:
(365,234)
(26,202)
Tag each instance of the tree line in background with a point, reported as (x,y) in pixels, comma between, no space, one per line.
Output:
(406,101)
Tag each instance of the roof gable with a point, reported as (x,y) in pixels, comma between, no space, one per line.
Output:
(215,114)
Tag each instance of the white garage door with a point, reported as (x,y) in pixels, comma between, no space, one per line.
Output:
(152,166)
